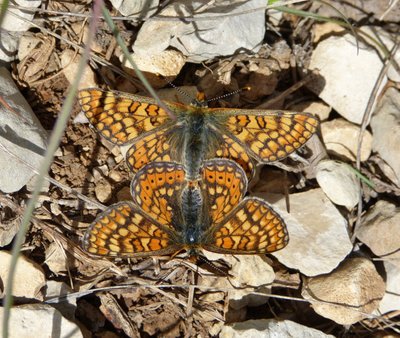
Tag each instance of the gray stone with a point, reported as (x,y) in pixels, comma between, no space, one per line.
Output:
(20,133)
(355,288)
(347,75)
(204,39)
(339,183)
(386,132)
(318,237)
(269,328)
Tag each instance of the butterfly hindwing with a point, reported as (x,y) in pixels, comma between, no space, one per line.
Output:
(121,117)
(156,189)
(123,230)
(252,228)
(224,184)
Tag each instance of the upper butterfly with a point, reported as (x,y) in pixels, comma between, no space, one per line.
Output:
(197,133)
(171,214)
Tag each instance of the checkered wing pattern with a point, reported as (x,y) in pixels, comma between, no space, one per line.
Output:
(156,190)
(123,230)
(268,136)
(252,228)
(224,184)
(121,117)
(230,148)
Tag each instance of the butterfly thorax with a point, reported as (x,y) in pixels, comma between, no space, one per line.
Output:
(200,140)
(195,144)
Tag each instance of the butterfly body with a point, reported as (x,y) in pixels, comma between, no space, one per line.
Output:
(191,206)
(200,140)
(196,133)
(171,214)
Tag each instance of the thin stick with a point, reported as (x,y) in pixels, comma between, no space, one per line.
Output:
(189,18)
(288,91)
(365,121)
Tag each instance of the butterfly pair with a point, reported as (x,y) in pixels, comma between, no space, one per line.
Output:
(170,213)
(197,133)
(186,215)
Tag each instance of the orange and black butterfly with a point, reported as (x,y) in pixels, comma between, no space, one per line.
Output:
(170,214)
(198,133)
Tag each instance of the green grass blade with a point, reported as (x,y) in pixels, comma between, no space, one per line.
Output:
(53,145)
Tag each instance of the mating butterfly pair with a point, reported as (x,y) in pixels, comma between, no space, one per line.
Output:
(181,218)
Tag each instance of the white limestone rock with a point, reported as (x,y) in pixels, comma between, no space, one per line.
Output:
(339,183)
(391,299)
(386,132)
(318,237)
(57,295)
(203,40)
(341,139)
(247,271)
(269,328)
(70,65)
(8,45)
(347,75)
(138,8)
(317,108)
(39,320)
(21,133)
(14,18)
(377,230)
(355,284)
(29,278)
(167,63)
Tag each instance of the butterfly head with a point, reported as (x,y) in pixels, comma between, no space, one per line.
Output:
(200,101)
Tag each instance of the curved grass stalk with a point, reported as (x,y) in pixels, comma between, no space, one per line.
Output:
(53,145)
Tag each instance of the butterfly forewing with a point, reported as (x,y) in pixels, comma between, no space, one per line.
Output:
(224,185)
(120,117)
(123,230)
(252,228)
(156,189)
(153,147)
(269,136)
(238,134)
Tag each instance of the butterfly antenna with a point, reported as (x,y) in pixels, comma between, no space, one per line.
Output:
(228,94)
(178,89)
(214,269)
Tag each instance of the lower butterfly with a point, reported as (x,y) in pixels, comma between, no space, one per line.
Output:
(170,214)
(197,133)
